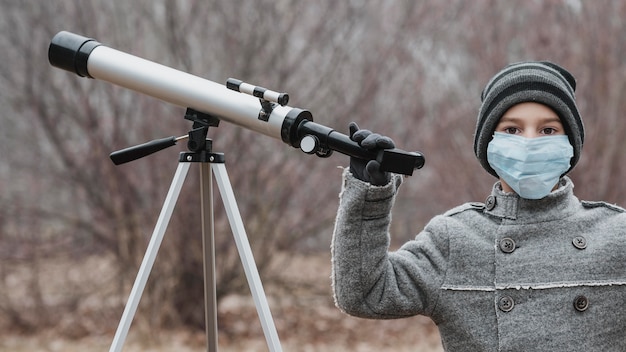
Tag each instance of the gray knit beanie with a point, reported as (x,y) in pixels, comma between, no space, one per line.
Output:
(535,81)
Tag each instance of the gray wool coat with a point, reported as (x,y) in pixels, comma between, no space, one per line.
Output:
(509,274)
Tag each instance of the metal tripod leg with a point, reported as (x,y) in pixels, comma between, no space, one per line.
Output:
(241,241)
(208,250)
(149,257)
(247,259)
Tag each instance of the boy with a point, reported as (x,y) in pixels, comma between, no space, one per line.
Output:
(531,269)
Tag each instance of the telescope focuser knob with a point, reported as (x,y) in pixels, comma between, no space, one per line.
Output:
(309,144)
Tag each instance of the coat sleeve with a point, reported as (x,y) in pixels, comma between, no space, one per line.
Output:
(368,280)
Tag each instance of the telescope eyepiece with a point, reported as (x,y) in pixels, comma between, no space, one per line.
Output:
(70,52)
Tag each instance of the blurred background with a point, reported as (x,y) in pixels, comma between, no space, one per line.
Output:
(74,227)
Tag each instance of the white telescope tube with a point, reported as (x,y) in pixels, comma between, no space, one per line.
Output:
(173,86)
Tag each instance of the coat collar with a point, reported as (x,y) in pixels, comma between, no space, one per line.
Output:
(559,204)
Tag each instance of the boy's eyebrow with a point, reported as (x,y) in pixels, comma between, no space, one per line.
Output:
(551,119)
(513,118)
(508,119)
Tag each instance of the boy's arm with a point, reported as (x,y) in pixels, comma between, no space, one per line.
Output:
(368,281)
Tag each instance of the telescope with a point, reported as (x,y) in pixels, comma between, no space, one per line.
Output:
(251,107)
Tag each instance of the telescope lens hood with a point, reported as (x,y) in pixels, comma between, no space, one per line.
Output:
(70,52)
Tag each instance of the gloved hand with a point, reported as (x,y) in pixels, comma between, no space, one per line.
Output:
(369,170)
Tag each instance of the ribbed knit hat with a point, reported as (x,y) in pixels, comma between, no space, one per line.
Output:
(533,81)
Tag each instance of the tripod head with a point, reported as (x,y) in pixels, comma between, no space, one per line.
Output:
(197,143)
(201,123)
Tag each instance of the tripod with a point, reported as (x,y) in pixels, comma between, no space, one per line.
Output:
(208,162)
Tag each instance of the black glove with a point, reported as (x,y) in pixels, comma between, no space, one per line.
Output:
(369,170)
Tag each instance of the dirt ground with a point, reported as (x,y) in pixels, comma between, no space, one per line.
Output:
(303,312)
(410,336)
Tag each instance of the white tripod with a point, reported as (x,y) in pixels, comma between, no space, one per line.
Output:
(208,162)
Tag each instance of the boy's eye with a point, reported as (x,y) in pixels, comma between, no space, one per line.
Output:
(549,130)
(510,130)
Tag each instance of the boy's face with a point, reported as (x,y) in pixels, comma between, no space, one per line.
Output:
(529,120)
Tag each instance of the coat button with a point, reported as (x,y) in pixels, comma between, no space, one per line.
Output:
(507,245)
(581,303)
(506,303)
(579,242)
(490,203)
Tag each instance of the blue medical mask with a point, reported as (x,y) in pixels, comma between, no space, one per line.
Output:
(531,166)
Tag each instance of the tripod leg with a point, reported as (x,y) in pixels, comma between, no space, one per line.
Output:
(208,248)
(149,258)
(247,259)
